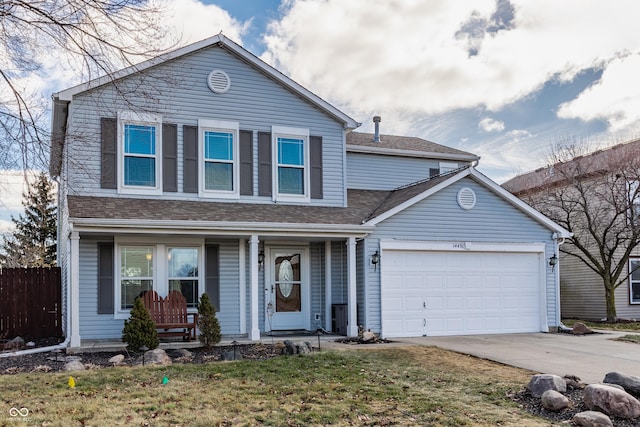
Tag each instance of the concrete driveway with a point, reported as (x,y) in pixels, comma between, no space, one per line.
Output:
(589,357)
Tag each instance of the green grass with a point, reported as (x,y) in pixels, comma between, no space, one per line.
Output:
(619,326)
(394,386)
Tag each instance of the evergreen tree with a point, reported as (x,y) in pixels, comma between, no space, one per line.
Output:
(139,329)
(33,242)
(208,322)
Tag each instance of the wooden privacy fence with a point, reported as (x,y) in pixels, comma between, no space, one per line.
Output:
(30,303)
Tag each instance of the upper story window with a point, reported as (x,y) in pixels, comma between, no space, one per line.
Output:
(291,168)
(140,153)
(634,280)
(219,154)
(633,196)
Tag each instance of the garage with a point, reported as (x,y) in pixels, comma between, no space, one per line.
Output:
(461,288)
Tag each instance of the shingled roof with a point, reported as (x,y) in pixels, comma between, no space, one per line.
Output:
(359,141)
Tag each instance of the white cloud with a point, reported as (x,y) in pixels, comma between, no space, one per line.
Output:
(12,185)
(615,98)
(429,57)
(491,125)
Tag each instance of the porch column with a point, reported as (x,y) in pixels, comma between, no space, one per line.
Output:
(352,326)
(254,334)
(327,286)
(243,285)
(74,290)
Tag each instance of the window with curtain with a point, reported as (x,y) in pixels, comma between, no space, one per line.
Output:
(183,273)
(136,273)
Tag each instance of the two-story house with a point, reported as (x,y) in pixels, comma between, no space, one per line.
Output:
(207,170)
(607,180)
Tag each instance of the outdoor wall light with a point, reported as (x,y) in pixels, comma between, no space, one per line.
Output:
(553,260)
(375,259)
(260,258)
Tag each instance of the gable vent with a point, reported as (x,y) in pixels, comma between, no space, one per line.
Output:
(466,198)
(219,81)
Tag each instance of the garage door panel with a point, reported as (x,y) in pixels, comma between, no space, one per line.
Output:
(464,293)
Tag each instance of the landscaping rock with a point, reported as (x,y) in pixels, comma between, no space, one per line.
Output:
(630,383)
(543,382)
(581,329)
(290,347)
(157,357)
(554,401)
(573,382)
(74,365)
(611,401)
(592,419)
(368,336)
(31,344)
(16,343)
(309,346)
(117,359)
(302,348)
(72,358)
(183,352)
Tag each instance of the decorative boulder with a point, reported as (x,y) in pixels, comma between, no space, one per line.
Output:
(117,359)
(630,383)
(368,336)
(611,401)
(157,357)
(289,347)
(573,382)
(302,348)
(554,401)
(73,365)
(231,355)
(543,382)
(581,329)
(14,344)
(592,419)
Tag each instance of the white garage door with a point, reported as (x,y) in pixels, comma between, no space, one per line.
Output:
(459,293)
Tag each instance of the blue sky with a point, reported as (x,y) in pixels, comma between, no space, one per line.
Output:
(503,79)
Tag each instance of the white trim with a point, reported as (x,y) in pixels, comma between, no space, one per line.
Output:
(366,149)
(160,248)
(74,294)
(219,126)
(297,133)
(352,299)
(242,265)
(492,186)
(136,118)
(327,286)
(254,334)
(349,123)
(630,280)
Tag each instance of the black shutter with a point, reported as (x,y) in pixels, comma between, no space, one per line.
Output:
(246,163)
(109,151)
(105,278)
(212,274)
(264,164)
(190,159)
(169,157)
(315,153)
(433,172)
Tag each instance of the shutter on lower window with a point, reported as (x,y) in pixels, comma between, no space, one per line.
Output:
(190,159)
(315,152)
(169,157)
(264,164)
(105,278)
(212,274)
(109,152)
(246,163)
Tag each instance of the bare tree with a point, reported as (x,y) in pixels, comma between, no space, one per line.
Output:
(596,196)
(41,39)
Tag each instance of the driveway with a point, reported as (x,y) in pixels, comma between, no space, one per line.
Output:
(589,357)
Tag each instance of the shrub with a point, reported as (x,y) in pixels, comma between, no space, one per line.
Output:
(208,322)
(139,329)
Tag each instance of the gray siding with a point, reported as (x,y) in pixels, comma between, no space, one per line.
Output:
(339,273)
(440,218)
(317,269)
(377,172)
(180,94)
(229,287)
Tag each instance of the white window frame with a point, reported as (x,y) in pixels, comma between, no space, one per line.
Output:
(143,119)
(219,126)
(631,281)
(297,133)
(447,167)
(160,269)
(634,202)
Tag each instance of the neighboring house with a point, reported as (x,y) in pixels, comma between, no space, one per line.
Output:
(230,178)
(582,293)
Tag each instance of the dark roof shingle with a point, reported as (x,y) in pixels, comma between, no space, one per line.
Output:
(405,143)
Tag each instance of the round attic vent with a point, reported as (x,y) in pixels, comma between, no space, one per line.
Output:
(466,198)
(219,81)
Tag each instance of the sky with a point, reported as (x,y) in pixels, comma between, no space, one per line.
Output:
(503,79)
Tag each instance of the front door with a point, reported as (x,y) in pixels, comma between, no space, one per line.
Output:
(287,296)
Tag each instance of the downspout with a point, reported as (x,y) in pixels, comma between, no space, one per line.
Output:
(63,344)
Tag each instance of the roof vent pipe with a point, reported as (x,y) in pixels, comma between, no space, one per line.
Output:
(376,135)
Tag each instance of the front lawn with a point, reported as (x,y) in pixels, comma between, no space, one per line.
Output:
(393,386)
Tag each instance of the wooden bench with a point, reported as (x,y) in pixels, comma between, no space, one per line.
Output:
(170,313)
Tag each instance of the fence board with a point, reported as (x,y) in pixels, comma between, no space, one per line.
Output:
(30,303)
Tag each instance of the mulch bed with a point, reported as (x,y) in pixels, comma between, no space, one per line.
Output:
(55,361)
